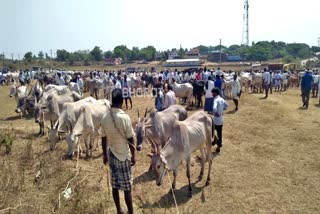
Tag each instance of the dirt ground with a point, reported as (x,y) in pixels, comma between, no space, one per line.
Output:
(269,163)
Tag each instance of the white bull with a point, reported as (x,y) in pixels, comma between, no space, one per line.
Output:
(88,124)
(194,133)
(67,120)
(184,90)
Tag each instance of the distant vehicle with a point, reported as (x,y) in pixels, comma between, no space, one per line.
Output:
(131,69)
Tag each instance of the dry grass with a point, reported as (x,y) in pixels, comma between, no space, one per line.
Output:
(270,163)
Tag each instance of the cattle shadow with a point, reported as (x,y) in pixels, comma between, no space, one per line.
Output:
(17,117)
(181,196)
(231,112)
(317,105)
(145,177)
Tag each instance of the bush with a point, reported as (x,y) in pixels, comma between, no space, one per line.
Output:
(6,140)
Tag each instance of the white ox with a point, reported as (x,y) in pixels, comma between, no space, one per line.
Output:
(184,90)
(53,108)
(61,89)
(88,124)
(67,120)
(158,127)
(194,133)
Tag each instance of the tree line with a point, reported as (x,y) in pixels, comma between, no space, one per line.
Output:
(260,51)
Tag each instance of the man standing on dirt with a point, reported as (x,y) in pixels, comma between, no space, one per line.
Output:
(219,106)
(266,81)
(118,150)
(306,85)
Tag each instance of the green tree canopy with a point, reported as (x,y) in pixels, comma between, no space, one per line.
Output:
(62,55)
(28,56)
(96,53)
(41,55)
(108,54)
(122,51)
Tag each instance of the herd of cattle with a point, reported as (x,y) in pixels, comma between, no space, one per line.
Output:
(67,113)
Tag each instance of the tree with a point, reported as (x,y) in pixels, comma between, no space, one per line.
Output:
(135,53)
(148,53)
(122,51)
(47,56)
(40,55)
(203,49)
(108,54)
(181,53)
(299,50)
(62,55)
(96,53)
(28,56)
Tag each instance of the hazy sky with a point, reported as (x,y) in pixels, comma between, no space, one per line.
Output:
(34,25)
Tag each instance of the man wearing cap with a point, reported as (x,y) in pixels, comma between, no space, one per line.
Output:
(118,149)
(219,106)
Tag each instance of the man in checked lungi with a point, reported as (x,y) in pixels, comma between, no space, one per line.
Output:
(118,149)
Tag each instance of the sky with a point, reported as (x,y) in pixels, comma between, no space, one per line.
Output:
(41,25)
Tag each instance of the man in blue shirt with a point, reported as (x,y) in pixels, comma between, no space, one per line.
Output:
(306,85)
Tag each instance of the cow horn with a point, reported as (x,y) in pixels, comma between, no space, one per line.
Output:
(138,114)
(145,113)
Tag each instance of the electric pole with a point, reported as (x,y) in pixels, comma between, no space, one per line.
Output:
(245,29)
(220,52)
(12,54)
(3,60)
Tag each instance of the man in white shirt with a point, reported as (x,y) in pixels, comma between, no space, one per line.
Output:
(266,80)
(219,72)
(219,106)
(118,149)
(80,84)
(59,79)
(315,87)
(170,97)
(236,89)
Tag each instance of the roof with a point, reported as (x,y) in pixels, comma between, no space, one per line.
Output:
(182,60)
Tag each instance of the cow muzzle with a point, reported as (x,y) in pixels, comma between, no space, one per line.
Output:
(18,110)
(139,148)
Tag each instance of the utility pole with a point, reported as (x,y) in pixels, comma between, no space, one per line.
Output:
(245,27)
(12,54)
(51,53)
(220,52)
(3,60)
(318,41)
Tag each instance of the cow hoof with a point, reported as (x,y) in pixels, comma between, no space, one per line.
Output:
(190,194)
(199,177)
(207,183)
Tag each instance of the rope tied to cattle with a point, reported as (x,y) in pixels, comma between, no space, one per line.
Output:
(174,196)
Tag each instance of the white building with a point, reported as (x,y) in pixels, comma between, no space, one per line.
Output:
(173,55)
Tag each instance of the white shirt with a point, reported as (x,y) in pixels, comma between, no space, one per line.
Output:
(117,142)
(315,78)
(80,83)
(219,105)
(266,77)
(60,81)
(235,89)
(169,99)
(210,87)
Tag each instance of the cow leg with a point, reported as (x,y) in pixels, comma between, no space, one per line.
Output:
(92,138)
(202,164)
(175,173)
(86,141)
(188,175)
